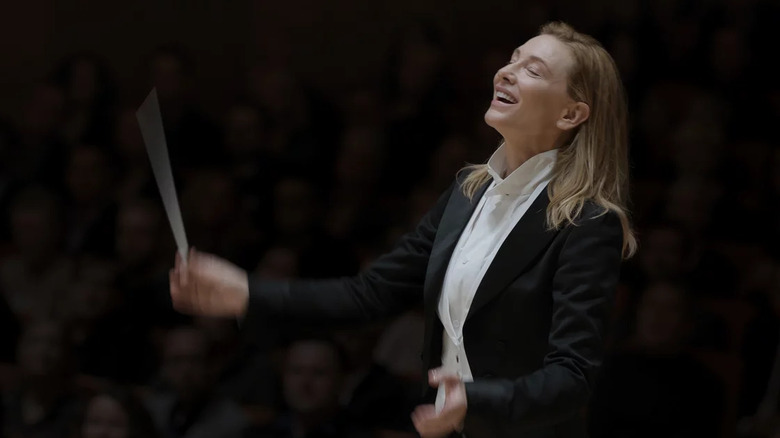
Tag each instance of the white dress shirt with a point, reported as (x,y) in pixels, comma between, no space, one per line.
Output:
(503,205)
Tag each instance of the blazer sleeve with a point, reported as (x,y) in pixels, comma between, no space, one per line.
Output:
(393,283)
(582,295)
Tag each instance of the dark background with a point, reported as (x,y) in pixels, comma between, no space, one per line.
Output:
(305,137)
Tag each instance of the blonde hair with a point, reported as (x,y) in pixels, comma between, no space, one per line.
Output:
(594,164)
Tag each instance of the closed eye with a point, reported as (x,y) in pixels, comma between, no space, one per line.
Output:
(533,72)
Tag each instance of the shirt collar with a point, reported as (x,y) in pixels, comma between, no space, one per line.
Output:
(524,179)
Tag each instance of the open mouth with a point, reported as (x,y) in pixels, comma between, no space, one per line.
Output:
(505,98)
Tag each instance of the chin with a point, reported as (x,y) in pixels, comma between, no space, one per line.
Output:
(494,120)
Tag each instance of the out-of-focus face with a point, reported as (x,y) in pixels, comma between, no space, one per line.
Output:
(43,111)
(279,263)
(167,76)
(35,230)
(83,81)
(661,317)
(691,202)
(105,418)
(138,232)
(359,159)
(530,92)
(210,199)
(312,377)
(42,350)
(185,363)
(294,210)
(662,256)
(128,136)
(87,175)
(244,130)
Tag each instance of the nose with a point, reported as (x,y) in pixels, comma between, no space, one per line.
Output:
(504,75)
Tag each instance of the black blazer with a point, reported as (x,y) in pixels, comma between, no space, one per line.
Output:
(534,334)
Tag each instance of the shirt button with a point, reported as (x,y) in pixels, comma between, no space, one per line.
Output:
(456,323)
(464,261)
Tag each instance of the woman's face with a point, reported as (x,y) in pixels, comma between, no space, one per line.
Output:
(105,419)
(530,92)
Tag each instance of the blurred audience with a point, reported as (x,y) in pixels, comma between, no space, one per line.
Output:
(187,404)
(116,413)
(651,386)
(312,376)
(42,402)
(292,176)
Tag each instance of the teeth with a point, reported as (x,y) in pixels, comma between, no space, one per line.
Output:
(502,95)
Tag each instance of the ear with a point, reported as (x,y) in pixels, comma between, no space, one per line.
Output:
(573,115)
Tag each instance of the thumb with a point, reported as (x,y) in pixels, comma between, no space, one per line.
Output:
(434,377)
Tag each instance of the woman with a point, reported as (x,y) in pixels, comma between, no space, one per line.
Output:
(516,264)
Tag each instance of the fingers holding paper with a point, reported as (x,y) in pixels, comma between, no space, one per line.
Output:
(208,285)
(431,424)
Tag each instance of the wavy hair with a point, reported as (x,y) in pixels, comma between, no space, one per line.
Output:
(593,165)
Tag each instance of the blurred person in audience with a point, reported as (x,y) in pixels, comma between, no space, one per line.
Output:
(188,405)
(312,378)
(417,95)
(355,199)
(664,106)
(693,203)
(193,139)
(297,209)
(278,262)
(372,397)
(652,386)
(698,150)
(729,60)
(215,216)
(774,187)
(303,125)
(42,403)
(624,48)
(667,255)
(10,329)
(90,96)
(110,340)
(34,276)
(116,412)
(454,152)
(41,151)
(564,124)
(136,179)
(399,345)
(362,107)
(759,398)
(8,185)
(249,160)
(246,374)
(91,210)
(140,240)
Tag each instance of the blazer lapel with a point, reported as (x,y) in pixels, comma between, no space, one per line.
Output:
(454,219)
(521,246)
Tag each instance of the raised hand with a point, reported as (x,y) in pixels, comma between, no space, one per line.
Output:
(208,285)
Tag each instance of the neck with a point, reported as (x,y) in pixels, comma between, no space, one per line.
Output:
(520,149)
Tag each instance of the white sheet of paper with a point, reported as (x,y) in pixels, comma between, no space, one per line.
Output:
(150,121)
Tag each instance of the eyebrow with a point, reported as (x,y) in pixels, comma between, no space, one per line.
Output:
(532,58)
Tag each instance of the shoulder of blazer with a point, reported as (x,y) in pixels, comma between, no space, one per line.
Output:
(591,210)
